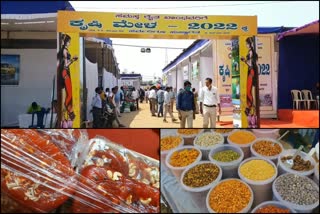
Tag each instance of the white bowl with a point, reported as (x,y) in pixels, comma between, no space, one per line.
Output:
(203,188)
(177,171)
(244,210)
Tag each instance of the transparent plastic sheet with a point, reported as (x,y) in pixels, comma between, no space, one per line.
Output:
(69,141)
(135,176)
(39,177)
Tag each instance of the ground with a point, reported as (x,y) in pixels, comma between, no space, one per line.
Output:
(143,119)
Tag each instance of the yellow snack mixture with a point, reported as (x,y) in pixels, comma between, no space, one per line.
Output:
(184,157)
(257,170)
(188,131)
(169,142)
(242,137)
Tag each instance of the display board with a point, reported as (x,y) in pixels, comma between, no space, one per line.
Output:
(132,25)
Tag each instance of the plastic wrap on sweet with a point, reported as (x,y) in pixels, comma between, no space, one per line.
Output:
(34,171)
(121,178)
(65,139)
(113,186)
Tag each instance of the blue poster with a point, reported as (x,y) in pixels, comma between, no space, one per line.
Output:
(10,69)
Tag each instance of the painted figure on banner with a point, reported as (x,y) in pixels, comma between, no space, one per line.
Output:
(252,82)
(64,80)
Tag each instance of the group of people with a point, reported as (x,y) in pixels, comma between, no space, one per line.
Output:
(161,98)
(162,101)
(106,107)
(187,106)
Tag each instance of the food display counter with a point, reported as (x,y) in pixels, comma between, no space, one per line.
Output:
(254,175)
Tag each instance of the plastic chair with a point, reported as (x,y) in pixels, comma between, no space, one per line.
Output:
(296,99)
(308,99)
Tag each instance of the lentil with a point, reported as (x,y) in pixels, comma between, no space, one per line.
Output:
(229,196)
(184,157)
(267,148)
(201,175)
(298,163)
(223,131)
(257,170)
(272,209)
(188,131)
(209,139)
(169,142)
(226,156)
(297,189)
(242,137)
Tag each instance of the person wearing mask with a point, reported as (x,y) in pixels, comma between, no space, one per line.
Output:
(112,102)
(172,98)
(186,106)
(160,97)
(167,103)
(97,108)
(209,98)
(153,100)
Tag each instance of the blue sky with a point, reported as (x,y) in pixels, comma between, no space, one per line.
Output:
(270,14)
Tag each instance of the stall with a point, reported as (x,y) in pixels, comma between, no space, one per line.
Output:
(28,35)
(219,60)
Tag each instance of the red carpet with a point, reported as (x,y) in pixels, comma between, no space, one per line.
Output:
(287,118)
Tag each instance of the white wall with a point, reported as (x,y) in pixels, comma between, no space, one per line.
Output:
(92,83)
(180,78)
(37,68)
(109,80)
(206,69)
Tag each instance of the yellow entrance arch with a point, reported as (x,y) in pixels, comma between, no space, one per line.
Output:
(153,26)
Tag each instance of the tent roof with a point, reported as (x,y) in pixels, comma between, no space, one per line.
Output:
(200,44)
(34,16)
(34,7)
(310,28)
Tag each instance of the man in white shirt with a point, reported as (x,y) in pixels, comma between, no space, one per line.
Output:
(167,103)
(209,98)
(97,108)
(153,100)
(113,105)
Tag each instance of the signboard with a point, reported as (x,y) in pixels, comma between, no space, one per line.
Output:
(249,83)
(131,25)
(265,72)
(68,80)
(224,73)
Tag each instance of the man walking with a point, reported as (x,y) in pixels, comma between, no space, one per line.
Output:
(112,102)
(160,96)
(186,106)
(97,108)
(153,101)
(167,103)
(209,97)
